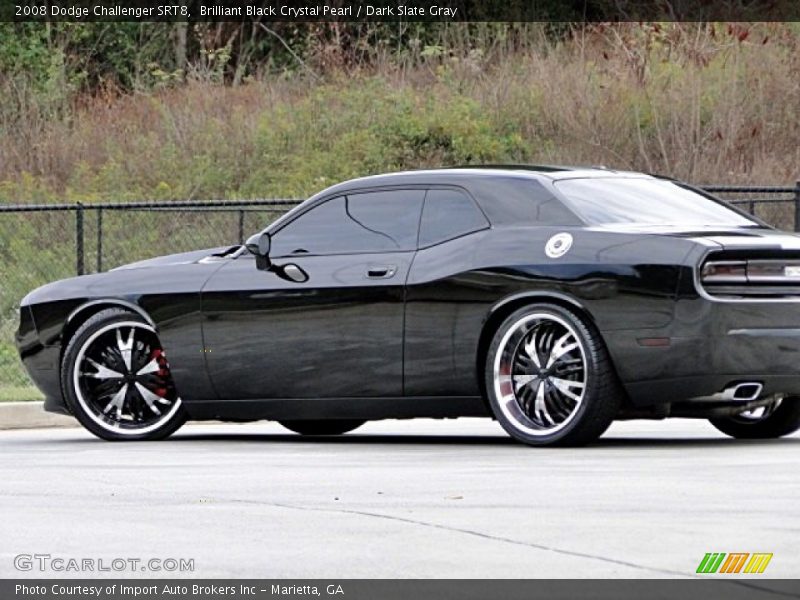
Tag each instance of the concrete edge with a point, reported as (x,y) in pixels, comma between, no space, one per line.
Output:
(31,415)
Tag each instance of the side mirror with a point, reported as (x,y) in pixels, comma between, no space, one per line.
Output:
(259,245)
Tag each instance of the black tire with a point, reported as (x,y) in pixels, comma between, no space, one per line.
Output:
(784,420)
(576,419)
(322,427)
(85,403)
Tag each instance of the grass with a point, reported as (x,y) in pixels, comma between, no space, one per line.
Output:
(703,103)
(19,394)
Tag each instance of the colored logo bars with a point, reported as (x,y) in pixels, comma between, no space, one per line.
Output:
(736,562)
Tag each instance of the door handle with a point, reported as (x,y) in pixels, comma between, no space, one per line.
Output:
(381,271)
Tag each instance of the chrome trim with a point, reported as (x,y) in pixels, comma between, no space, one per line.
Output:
(703,293)
(539,421)
(734,279)
(743,392)
(757,413)
(118,400)
(730,393)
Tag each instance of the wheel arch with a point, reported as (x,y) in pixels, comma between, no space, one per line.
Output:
(88,309)
(503,308)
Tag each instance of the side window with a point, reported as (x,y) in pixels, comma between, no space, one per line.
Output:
(391,217)
(357,223)
(448,214)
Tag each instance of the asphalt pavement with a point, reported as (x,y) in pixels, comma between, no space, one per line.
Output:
(409,499)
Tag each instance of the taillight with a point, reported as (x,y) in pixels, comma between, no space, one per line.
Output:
(725,271)
(756,274)
(773,271)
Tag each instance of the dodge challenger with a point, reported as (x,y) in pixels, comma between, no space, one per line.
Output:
(552,299)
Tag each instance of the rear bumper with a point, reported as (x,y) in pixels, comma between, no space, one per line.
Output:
(711,345)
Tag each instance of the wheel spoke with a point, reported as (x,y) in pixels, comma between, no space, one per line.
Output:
(539,407)
(149,397)
(526,395)
(125,347)
(103,372)
(150,367)
(117,401)
(561,347)
(522,380)
(566,387)
(532,351)
(561,404)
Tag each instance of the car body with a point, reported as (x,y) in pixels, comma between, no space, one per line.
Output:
(697,313)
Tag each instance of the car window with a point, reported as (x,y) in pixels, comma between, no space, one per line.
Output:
(356,223)
(640,201)
(513,201)
(448,214)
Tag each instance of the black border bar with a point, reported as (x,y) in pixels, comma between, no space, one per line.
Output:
(398,10)
(706,588)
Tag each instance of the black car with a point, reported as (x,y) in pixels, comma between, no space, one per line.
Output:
(552,299)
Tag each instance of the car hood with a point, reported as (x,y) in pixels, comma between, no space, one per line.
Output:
(727,238)
(181,258)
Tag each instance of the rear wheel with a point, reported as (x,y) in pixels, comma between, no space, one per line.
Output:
(116,379)
(549,378)
(322,427)
(775,420)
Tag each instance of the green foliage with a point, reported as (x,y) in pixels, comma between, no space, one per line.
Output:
(19,393)
(346,130)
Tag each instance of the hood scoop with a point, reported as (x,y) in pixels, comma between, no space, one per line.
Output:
(231,252)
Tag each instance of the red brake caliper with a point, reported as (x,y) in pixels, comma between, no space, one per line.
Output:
(163,371)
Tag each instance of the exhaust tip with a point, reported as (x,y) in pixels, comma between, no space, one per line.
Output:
(743,392)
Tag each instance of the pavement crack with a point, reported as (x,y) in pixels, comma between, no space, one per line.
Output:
(507,540)
(473,533)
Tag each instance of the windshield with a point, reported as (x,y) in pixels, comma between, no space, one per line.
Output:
(620,200)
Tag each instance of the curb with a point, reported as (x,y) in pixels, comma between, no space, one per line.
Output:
(31,415)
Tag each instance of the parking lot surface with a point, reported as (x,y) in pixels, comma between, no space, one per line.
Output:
(410,499)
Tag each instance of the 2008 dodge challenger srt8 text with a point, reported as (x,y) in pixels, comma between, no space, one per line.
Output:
(552,299)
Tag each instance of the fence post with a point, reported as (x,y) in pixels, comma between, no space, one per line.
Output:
(241,225)
(79,239)
(797,206)
(99,240)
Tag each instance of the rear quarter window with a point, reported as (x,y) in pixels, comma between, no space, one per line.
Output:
(517,201)
(448,214)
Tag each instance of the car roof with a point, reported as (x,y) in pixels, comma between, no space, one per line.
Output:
(454,175)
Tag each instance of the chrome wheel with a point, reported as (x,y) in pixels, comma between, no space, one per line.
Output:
(540,374)
(122,381)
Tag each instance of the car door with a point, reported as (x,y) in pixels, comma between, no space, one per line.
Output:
(444,301)
(340,333)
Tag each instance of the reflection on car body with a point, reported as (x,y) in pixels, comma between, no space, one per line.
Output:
(553,299)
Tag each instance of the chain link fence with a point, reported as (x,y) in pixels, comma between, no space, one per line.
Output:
(44,243)
(778,206)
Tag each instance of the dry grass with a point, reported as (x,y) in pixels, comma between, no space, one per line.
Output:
(707,104)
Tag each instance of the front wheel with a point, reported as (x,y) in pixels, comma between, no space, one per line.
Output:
(549,378)
(116,379)
(322,427)
(775,420)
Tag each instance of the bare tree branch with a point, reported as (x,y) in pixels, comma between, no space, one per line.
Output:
(292,52)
